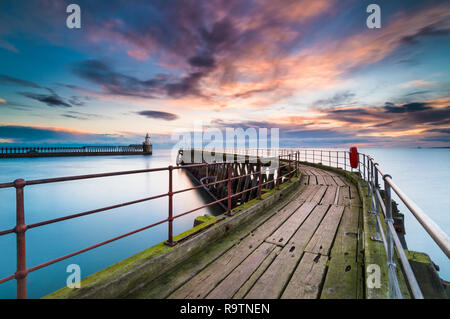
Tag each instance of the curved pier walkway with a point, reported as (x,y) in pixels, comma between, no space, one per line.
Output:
(307,249)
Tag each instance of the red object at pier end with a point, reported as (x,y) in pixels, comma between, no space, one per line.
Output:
(354,158)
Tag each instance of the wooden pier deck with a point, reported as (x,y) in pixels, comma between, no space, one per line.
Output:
(307,249)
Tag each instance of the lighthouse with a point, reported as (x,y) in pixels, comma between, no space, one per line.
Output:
(147,145)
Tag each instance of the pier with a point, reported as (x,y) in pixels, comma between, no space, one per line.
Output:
(297,223)
(40,151)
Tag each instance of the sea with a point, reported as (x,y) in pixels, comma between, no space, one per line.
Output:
(423,174)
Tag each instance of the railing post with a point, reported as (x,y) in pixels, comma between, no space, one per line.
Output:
(377,184)
(259,179)
(170,241)
(229,190)
(369,176)
(20,229)
(278,174)
(394,291)
(289,167)
(345,160)
(297,155)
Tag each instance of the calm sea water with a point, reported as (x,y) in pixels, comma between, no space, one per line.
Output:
(49,201)
(424,174)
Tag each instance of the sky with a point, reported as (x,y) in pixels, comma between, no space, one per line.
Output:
(313,69)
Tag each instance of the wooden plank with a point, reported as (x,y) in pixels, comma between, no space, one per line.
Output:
(307,278)
(344,196)
(284,233)
(312,180)
(271,283)
(330,195)
(231,284)
(320,180)
(354,196)
(324,236)
(240,294)
(307,192)
(339,181)
(317,196)
(306,179)
(208,278)
(329,180)
(341,281)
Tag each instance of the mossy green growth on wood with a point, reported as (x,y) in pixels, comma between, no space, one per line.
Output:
(120,268)
(123,266)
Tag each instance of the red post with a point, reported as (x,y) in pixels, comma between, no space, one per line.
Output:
(229,190)
(259,179)
(170,194)
(20,229)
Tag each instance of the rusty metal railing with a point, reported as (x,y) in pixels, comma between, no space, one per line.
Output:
(22,227)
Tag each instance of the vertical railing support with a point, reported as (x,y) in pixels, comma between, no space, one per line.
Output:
(20,229)
(369,176)
(377,184)
(229,190)
(289,168)
(278,173)
(345,160)
(170,241)
(259,179)
(394,291)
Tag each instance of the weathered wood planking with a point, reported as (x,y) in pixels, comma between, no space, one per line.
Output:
(240,294)
(323,238)
(283,234)
(231,284)
(339,181)
(329,180)
(344,196)
(201,284)
(330,196)
(271,283)
(317,196)
(306,280)
(320,180)
(342,276)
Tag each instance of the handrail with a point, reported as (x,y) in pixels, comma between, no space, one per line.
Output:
(21,227)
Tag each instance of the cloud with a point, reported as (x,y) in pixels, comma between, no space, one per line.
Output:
(416,83)
(159,115)
(9,80)
(113,82)
(3,101)
(407,108)
(336,100)
(51,99)
(440,28)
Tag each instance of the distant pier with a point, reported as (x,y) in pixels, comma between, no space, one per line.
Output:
(145,148)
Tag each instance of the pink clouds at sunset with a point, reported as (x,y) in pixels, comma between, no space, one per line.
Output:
(302,65)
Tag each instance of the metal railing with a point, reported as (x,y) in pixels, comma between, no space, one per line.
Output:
(21,227)
(370,172)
